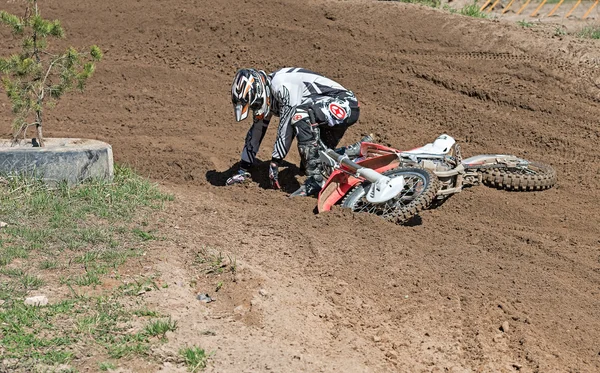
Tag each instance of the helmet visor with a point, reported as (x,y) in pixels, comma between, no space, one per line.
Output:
(241,111)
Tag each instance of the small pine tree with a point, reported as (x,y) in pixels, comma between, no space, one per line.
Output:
(36,78)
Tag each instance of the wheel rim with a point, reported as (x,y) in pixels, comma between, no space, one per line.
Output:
(415,184)
(528,169)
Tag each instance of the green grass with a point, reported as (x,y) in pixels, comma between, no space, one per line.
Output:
(589,32)
(430,3)
(195,358)
(62,242)
(159,328)
(105,366)
(559,31)
(523,23)
(472,10)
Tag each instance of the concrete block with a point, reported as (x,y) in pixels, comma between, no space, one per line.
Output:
(70,159)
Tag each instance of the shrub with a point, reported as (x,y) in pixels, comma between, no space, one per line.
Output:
(37,78)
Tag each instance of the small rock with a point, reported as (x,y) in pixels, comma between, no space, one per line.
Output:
(391,354)
(204,298)
(497,338)
(376,338)
(240,310)
(3,224)
(263,292)
(330,16)
(504,327)
(39,300)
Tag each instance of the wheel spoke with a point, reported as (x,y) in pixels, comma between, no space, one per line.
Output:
(413,187)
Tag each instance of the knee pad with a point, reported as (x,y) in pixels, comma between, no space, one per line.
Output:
(305,133)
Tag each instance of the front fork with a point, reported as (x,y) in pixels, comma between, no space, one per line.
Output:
(382,189)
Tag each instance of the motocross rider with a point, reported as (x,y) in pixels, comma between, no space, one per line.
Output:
(290,93)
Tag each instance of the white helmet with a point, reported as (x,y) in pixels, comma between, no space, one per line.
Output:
(250,91)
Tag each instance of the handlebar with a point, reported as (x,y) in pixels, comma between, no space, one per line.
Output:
(369,174)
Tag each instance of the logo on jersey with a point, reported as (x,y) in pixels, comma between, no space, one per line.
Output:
(337,111)
(298,117)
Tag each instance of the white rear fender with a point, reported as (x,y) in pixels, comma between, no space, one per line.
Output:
(442,145)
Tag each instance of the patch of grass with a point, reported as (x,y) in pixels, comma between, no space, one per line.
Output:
(524,23)
(472,10)
(145,312)
(146,236)
(450,9)
(589,32)
(31,282)
(108,325)
(24,333)
(195,358)
(138,286)
(73,237)
(105,366)
(12,272)
(212,261)
(160,328)
(50,334)
(430,3)
(560,31)
(48,264)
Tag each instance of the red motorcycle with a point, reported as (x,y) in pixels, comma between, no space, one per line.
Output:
(397,185)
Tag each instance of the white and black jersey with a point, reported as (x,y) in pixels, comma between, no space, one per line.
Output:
(290,87)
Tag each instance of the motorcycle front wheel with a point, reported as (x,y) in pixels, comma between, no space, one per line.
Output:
(419,191)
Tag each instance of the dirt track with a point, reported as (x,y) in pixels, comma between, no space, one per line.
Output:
(349,293)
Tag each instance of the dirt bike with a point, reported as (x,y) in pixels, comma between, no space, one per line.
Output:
(397,185)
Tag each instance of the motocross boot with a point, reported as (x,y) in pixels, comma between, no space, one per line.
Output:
(314,170)
(353,150)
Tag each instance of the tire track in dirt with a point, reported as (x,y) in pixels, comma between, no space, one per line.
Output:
(542,65)
(471,92)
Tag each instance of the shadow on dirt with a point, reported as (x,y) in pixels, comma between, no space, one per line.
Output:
(414,221)
(260,175)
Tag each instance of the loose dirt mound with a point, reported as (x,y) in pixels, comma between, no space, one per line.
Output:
(347,292)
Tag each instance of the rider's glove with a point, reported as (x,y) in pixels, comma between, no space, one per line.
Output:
(274,174)
(241,176)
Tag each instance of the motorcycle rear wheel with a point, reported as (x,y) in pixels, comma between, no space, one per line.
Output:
(534,176)
(420,189)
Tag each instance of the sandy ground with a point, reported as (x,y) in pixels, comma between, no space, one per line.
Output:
(339,292)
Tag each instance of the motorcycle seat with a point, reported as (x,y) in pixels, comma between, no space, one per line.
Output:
(441,146)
